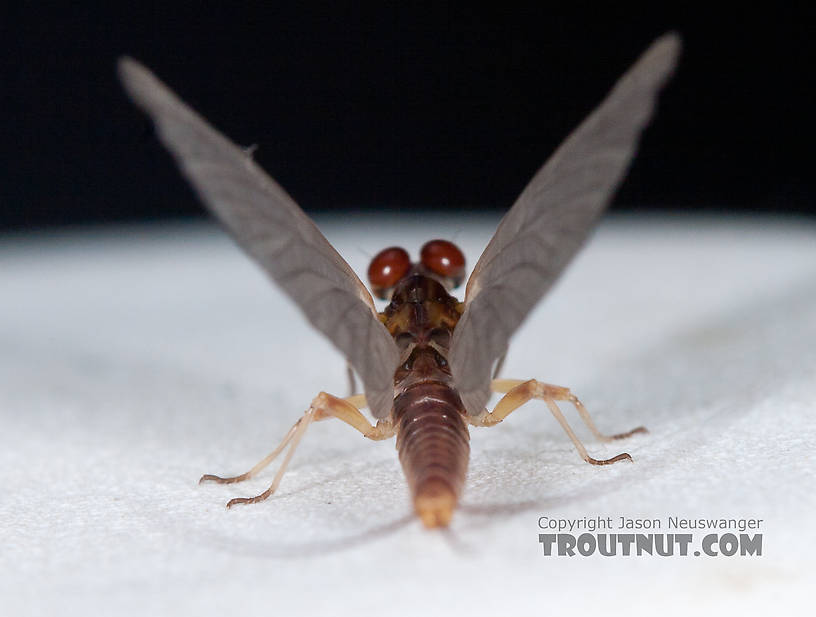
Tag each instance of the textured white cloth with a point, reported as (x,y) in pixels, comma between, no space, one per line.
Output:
(134,359)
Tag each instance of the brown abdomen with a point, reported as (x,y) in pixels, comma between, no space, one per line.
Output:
(433,445)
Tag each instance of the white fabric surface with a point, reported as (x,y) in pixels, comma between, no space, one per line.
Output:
(134,359)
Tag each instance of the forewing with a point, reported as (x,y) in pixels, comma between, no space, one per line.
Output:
(270,226)
(550,221)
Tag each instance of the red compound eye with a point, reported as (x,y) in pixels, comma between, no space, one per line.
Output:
(445,259)
(387,268)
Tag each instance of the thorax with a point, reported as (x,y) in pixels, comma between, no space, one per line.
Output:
(421,317)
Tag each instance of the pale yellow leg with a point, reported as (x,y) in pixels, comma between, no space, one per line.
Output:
(499,364)
(518,392)
(323,407)
(559,393)
(351,380)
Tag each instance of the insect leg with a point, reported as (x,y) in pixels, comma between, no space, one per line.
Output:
(519,392)
(323,406)
(559,393)
(352,381)
(499,364)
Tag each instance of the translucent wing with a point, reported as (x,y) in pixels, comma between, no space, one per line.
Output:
(550,221)
(268,224)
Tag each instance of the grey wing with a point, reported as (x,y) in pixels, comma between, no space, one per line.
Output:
(550,221)
(270,226)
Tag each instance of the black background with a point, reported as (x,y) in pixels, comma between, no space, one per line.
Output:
(436,106)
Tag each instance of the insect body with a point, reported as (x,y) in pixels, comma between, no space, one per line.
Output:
(426,362)
(428,415)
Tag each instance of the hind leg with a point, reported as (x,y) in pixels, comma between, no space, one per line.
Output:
(323,406)
(545,391)
(517,392)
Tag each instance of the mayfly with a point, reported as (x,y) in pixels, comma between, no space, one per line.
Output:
(427,362)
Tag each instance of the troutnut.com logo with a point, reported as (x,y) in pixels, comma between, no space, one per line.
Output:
(674,535)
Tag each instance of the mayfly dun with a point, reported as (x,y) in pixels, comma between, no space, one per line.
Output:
(428,361)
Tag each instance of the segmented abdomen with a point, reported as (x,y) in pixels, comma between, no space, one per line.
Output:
(433,444)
